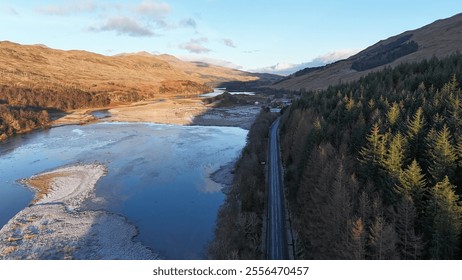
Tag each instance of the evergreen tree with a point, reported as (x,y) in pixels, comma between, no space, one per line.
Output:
(415,126)
(408,244)
(442,156)
(395,155)
(415,130)
(358,239)
(382,240)
(412,182)
(401,125)
(459,151)
(393,114)
(446,210)
(454,109)
(412,187)
(372,154)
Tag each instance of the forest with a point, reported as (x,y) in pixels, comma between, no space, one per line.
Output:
(373,168)
(384,54)
(24,108)
(238,233)
(20,119)
(23,104)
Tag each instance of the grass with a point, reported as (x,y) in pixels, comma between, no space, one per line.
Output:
(43,184)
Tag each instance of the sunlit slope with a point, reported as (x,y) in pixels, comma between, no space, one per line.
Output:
(440,39)
(142,75)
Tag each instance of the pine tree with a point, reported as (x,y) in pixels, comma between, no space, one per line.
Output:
(446,210)
(412,186)
(372,154)
(382,240)
(415,126)
(442,156)
(364,205)
(339,212)
(412,182)
(395,155)
(312,197)
(452,97)
(393,114)
(408,244)
(459,151)
(415,130)
(358,239)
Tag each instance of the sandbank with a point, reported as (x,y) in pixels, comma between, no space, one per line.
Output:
(55,227)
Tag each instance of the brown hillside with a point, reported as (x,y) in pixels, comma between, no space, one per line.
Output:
(34,78)
(440,38)
(119,77)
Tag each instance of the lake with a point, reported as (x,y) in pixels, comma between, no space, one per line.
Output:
(158,176)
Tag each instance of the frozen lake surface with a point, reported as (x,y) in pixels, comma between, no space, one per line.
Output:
(158,176)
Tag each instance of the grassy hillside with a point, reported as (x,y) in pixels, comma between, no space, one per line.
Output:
(438,39)
(33,78)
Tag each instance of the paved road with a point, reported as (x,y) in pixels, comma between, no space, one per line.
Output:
(276,239)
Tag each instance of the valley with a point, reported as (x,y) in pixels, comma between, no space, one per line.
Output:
(182,159)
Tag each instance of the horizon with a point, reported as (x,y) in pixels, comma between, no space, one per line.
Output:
(267,36)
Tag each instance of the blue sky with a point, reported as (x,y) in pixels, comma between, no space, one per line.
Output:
(249,35)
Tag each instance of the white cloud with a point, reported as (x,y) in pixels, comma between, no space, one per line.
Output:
(156,12)
(195,45)
(72,7)
(125,26)
(285,68)
(229,43)
(335,56)
(153,9)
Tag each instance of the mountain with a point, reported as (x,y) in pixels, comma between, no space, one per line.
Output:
(124,77)
(440,39)
(36,79)
(284,68)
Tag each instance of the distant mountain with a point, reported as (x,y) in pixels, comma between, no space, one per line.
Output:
(36,80)
(440,39)
(37,67)
(290,68)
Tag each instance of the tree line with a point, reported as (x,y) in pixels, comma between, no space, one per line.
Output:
(20,119)
(25,108)
(238,233)
(23,103)
(373,168)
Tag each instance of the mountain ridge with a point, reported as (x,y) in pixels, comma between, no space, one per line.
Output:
(40,66)
(438,39)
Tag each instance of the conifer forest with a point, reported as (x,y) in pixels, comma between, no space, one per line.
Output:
(373,168)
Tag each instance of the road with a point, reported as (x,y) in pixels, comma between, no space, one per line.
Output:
(276,238)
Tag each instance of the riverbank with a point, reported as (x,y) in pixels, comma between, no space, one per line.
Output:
(181,111)
(54,226)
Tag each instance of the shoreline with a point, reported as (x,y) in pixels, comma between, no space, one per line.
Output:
(183,111)
(225,176)
(54,226)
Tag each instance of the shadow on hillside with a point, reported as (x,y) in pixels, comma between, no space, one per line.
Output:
(264,81)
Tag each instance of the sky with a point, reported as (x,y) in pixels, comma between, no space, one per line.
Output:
(252,35)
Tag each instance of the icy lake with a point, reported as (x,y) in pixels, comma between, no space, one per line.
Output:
(158,176)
